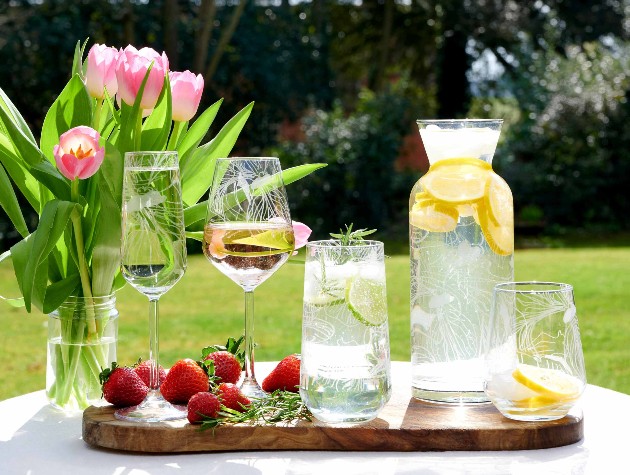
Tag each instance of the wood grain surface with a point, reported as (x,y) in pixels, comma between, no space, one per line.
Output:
(405,424)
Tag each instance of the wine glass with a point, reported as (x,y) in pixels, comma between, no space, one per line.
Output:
(153,256)
(248,234)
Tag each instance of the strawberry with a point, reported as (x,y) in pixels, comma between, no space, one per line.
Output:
(285,376)
(143,368)
(227,360)
(122,386)
(202,404)
(231,397)
(186,378)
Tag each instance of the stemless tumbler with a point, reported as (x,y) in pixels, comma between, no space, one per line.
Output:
(535,361)
(345,369)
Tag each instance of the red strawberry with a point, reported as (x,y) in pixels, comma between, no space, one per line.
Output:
(228,360)
(143,369)
(122,386)
(184,379)
(202,404)
(285,376)
(231,397)
(226,366)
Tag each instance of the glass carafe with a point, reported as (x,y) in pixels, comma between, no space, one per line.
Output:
(461,235)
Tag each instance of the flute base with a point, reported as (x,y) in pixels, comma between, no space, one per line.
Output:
(250,388)
(153,409)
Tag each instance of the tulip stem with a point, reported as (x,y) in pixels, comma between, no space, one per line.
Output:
(83,271)
(96,121)
(172,141)
(138,133)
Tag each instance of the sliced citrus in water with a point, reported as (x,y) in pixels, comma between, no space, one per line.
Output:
(457,180)
(500,238)
(498,200)
(434,217)
(367,300)
(549,383)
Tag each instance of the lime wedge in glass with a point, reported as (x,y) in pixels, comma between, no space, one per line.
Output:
(324,299)
(367,300)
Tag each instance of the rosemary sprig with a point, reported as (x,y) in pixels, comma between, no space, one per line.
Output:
(350,237)
(279,406)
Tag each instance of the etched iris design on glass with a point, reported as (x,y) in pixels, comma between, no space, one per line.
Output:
(153,255)
(248,234)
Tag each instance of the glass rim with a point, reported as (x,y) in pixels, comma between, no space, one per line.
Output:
(224,159)
(335,243)
(513,287)
(151,152)
(456,121)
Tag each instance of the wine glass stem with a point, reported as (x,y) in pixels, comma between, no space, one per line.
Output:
(154,374)
(249,336)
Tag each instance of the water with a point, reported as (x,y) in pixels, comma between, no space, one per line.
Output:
(154,245)
(345,375)
(85,385)
(452,278)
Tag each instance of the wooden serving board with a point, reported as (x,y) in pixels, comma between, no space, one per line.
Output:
(405,424)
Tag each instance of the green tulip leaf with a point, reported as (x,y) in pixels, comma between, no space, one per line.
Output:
(189,142)
(12,112)
(199,168)
(10,204)
(52,224)
(157,126)
(49,176)
(58,292)
(72,108)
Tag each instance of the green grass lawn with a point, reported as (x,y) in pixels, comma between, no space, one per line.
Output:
(205,307)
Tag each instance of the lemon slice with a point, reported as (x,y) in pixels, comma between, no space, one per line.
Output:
(548,383)
(457,180)
(535,402)
(432,216)
(498,200)
(367,300)
(499,238)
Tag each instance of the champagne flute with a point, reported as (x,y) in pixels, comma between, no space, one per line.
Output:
(248,234)
(153,256)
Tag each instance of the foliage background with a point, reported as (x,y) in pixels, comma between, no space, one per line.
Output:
(343,81)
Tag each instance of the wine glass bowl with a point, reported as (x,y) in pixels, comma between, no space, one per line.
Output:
(248,234)
(153,255)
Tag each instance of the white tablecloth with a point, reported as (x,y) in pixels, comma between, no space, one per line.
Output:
(37,439)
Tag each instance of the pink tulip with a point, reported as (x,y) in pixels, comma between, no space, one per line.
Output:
(130,71)
(186,89)
(301,232)
(101,71)
(78,154)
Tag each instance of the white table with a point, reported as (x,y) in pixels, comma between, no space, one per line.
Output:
(36,439)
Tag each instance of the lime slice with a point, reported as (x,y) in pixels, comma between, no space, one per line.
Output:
(324,300)
(270,239)
(367,300)
(432,216)
(457,180)
(549,383)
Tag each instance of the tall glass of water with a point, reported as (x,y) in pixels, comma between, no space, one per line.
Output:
(345,368)
(153,255)
(248,234)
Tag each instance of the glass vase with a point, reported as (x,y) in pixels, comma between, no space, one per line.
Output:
(82,337)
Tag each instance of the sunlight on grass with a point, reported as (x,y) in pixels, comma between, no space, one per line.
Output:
(205,307)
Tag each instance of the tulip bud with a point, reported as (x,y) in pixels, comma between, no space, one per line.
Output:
(101,71)
(186,89)
(131,68)
(78,154)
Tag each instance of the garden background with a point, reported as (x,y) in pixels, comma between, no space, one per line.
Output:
(342,82)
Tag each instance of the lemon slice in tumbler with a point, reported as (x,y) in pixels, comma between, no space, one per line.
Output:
(367,300)
(433,216)
(457,180)
(549,383)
